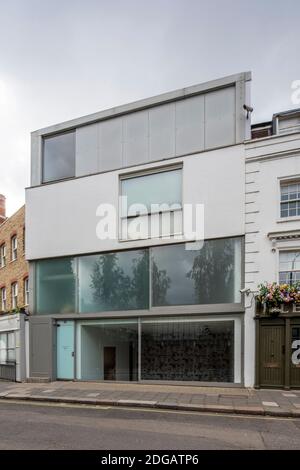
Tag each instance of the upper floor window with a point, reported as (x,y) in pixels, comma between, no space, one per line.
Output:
(2,255)
(59,157)
(290,199)
(14,248)
(157,194)
(3,299)
(160,188)
(14,295)
(26,291)
(289,267)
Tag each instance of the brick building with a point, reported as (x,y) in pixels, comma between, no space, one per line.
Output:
(13,266)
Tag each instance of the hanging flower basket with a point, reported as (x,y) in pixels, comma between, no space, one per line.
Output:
(272,297)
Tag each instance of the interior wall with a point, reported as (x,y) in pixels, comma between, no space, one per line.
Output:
(93,341)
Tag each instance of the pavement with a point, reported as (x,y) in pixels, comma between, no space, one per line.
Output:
(246,401)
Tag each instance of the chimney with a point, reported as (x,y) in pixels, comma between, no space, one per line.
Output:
(2,209)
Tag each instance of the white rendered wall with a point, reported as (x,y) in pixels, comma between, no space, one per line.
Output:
(268,161)
(66,211)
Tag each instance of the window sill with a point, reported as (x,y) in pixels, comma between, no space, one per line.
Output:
(295,218)
(169,237)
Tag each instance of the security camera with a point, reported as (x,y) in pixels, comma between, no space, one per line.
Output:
(245,290)
(248,109)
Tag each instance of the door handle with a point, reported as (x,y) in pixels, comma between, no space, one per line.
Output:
(73,354)
(283,349)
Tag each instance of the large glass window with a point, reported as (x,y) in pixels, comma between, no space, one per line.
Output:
(108,350)
(121,280)
(55,286)
(164,187)
(289,267)
(114,281)
(59,157)
(187,350)
(210,275)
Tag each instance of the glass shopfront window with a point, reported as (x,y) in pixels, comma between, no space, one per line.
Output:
(187,350)
(210,275)
(7,348)
(191,349)
(108,350)
(114,281)
(55,286)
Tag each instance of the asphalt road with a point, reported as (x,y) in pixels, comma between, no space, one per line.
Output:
(40,426)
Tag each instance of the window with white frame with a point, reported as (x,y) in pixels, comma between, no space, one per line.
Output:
(289,267)
(14,247)
(2,255)
(290,199)
(3,299)
(14,295)
(157,193)
(7,348)
(26,291)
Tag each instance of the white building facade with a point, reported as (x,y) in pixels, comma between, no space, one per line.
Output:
(272,249)
(148,308)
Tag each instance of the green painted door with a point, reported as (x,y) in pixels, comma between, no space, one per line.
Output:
(272,350)
(295,355)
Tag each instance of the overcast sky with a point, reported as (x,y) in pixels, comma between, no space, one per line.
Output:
(60,59)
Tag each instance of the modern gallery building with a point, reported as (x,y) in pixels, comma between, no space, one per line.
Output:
(151,306)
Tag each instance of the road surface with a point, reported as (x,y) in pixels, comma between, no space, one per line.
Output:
(45,426)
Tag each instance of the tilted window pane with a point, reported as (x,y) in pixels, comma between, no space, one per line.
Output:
(114,281)
(157,188)
(207,276)
(191,351)
(59,157)
(55,284)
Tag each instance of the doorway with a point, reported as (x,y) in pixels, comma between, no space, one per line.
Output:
(65,350)
(109,359)
(272,349)
(278,353)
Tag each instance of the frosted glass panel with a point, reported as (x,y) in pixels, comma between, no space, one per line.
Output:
(158,188)
(114,281)
(56,286)
(208,276)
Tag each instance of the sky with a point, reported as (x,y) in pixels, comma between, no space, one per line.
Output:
(61,59)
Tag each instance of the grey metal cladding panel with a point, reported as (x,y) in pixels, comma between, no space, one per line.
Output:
(136,141)
(162,132)
(40,347)
(87,150)
(110,142)
(220,118)
(36,160)
(190,125)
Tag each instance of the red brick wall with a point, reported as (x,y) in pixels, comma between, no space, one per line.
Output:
(14,271)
